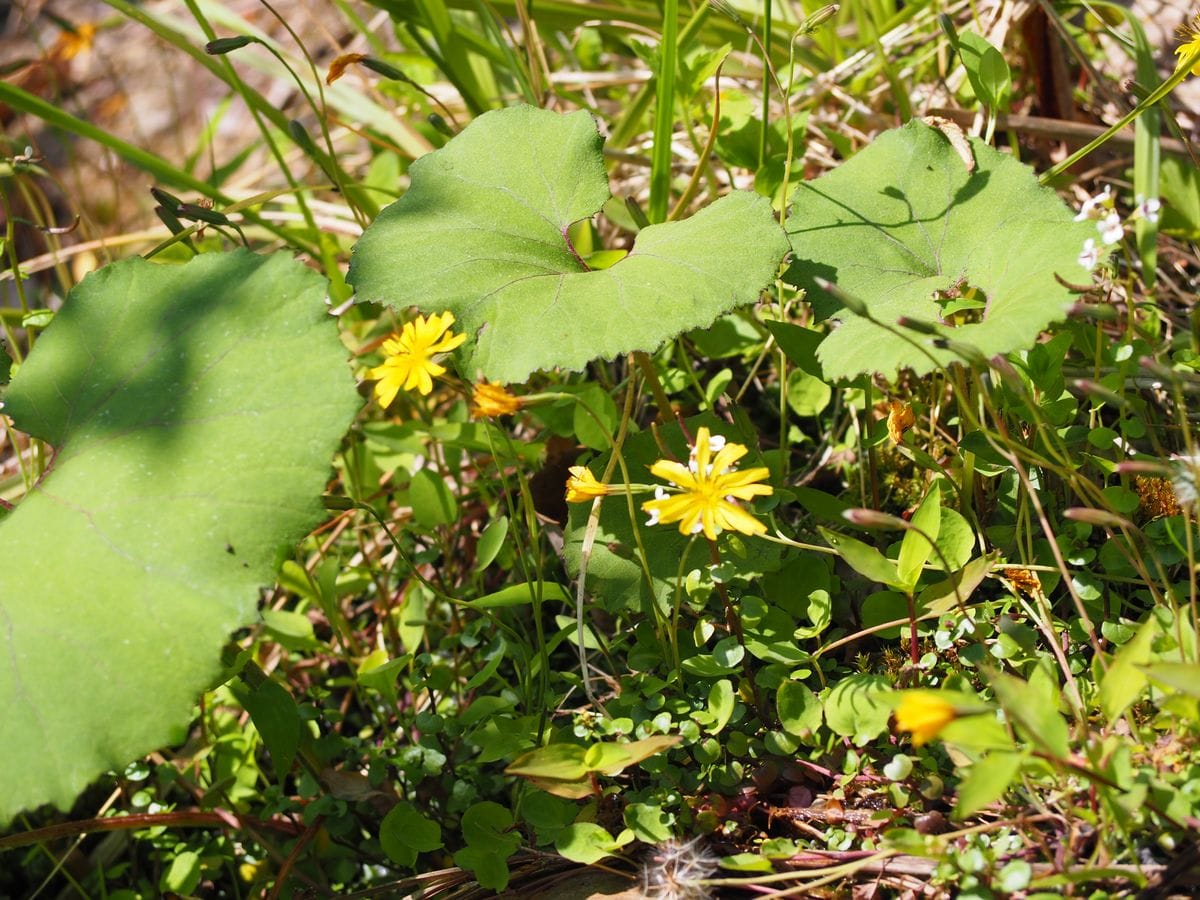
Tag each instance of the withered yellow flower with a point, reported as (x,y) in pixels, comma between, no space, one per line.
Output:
(489,401)
(583,486)
(71,43)
(900,419)
(1157,497)
(1024,580)
(338,67)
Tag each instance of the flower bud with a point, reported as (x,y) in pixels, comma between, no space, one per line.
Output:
(221,46)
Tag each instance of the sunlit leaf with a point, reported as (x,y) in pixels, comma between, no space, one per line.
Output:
(863,558)
(986,782)
(482,232)
(904,228)
(859,706)
(1125,677)
(915,548)
(587,842)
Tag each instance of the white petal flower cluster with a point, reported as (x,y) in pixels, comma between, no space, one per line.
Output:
(1101,208)
(1185,478)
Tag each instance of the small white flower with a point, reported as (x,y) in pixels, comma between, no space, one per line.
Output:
(1110,228)
(1148,208)
(659,494)
(715,443)
(1091,205)
(1186,479)
(1089,255)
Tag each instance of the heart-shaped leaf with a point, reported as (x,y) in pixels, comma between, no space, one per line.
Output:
(482,232)
(194,410)
(905,228)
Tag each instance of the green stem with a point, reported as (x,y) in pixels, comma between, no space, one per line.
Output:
(664,114)
(646,365)
(1181,72)
(733,622)
(765,125)
(236,82)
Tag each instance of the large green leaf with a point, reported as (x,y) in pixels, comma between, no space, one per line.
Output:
(482,232)
(903,226)
(194,410)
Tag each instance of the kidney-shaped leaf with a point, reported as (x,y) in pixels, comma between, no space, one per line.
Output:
(194,410)
(905,228)
(482,232)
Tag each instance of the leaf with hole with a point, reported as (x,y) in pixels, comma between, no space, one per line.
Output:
(904,227)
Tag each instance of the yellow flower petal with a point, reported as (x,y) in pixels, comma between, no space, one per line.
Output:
(409,356)
(702,449)
(670,509)
(733,518)
(1190,34)
(676,473)
(702,502)
(728,457)
(386,390)
(741,486)
(924,714)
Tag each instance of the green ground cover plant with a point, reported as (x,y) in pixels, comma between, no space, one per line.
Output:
(653,437)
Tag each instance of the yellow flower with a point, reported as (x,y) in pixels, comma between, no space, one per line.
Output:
(900,419)
(489,401)
(251,870)
(410,353)
(583,486)
(925,714)
(1024,580)
(338,67)
(1190,48)
(71,43)
(706,488)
